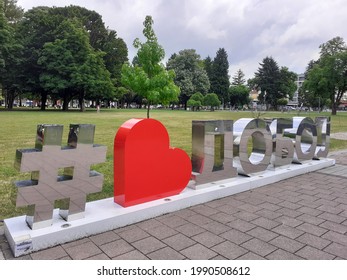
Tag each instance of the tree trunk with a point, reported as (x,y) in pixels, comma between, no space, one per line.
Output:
(148,108)
(334,109)
(43,101)
(81,102)
(65,103)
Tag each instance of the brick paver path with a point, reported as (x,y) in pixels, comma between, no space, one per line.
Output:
(304,217)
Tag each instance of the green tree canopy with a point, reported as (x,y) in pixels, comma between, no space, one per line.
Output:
(238,78)
(195,101)
(149,78)
(211,100)
(326,78)
(239,95)
(191,77)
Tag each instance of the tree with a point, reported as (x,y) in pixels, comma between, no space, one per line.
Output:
(195,101)
(238,78)
(191,77)
(13,12)
(150,79)
(287,83)
(211,99)
(239,95)
(220,78)
(327,77)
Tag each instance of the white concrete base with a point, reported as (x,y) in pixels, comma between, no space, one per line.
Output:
(104,215)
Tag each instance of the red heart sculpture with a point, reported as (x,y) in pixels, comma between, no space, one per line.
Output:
(145,166)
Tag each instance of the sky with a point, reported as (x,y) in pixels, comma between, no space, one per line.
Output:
(290,31)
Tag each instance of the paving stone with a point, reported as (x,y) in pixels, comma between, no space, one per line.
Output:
(228,209)
(332,217)
(133,234)
(246,216)
(282,255)
(161,232)
(199,219)
(269,206)
(310,219)
(179,242)
(236,236)
(83,251)
(148,245)
(290,205)
(289,212)
(259,247)
(315,230)
(262,234)
(132,255)
(54,253)
(250,256)
(337,250)
(292,222)
(98,257)
(310,253)
(336,237)
(310,211)
(208,239)
(103,238)
(287,244)
(148,224)
(330,209)
(75,243)
(173,221)
(268,214)
(198,252)
(313,241)
(190,229)
(185,213)
(229,250)
(204,210)
(216,227)
(166,253)
(266,223)
(223,217)
(116,248)
(288,231)
(241,225)
(340,228)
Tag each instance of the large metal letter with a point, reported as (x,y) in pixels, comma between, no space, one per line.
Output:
(258,158)
(212,151)
(323,136)
(283,147)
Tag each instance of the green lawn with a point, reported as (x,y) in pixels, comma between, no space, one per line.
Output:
(18,130)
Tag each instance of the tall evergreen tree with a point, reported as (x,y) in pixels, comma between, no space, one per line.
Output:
(238,78)
(220,76)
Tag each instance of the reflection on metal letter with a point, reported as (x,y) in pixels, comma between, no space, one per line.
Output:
(212,151)
(258,131)
(59,173)
(323,136)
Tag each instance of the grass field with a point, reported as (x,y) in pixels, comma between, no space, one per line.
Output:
(18,130)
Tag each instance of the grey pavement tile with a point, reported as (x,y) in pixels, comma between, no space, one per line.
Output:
(75,243)
(250,208)
(179,242)
(310,219)
(83,251)
(204,210)
(121,229)
(223,217)
(262,234)
(229,250)
(337,250)
(310,253)
(269,206)
(67,258)
(228,209)
(98,257)
(259,247)
(309,228)
(344,214)
(332,217)
(218,257)
(132,255)
(172,221)
(327,202)
(241,225)
(254,201)
(148,245)
(287,244)
(198,252)
(236,236)
(103,238)
(190,229)
(313,241)
(330,209)
(185,213)
(246,216)
(116,248)
(215,203)
(290,205)
(162,231)
(133,234)
(336,237)
(208,239)
(282,255)
(266,223)
(310,211)
(289,212)
(199,219)
(340,228)
(54,253)
(166,253)
(342,200)
(148,224)
(289,221)
(288,231)
(251,256)
(216,227)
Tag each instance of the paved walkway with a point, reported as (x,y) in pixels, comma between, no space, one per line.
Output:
(304,217)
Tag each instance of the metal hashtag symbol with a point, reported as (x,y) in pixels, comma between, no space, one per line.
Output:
(59,173)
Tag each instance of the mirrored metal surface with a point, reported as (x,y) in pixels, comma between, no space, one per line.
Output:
(323,136)
(304,133)
(212,151)
(283,147)
(252,145)
(45,187)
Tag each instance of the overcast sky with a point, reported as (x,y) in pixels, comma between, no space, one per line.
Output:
(249,30)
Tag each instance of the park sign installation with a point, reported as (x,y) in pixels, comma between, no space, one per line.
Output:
(147,169)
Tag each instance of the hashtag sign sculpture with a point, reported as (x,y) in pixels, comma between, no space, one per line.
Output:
(59,173)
